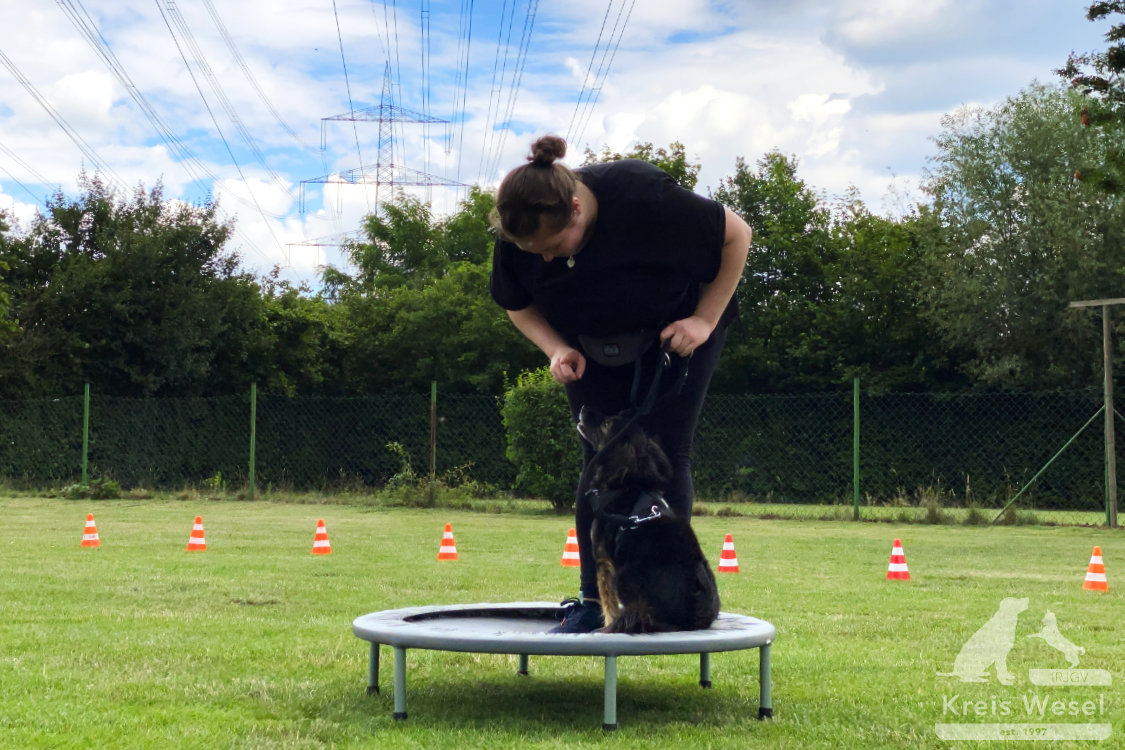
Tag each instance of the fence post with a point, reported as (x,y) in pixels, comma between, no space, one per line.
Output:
(433,430)
(855,448)
(432,489)
(85,431)
(253,433)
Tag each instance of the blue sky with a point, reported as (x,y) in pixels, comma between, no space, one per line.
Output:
(855,89)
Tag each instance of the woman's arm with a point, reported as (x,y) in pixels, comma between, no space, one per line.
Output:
(686,335)
(567,363)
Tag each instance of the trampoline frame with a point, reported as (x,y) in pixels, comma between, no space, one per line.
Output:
(435,628)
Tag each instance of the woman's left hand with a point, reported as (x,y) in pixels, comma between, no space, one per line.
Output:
(686,335)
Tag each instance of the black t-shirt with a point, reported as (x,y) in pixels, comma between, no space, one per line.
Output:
(653,245)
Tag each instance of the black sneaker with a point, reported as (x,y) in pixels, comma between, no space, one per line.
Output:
(578,617)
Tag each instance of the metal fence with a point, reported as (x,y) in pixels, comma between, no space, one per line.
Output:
(977,448)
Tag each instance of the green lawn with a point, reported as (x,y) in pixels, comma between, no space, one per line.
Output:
(249,644)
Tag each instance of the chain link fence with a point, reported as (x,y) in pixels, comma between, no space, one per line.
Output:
(915,449)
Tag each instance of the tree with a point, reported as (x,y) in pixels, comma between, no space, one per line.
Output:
(772,343)
(829,293)
(7,326)
(1101,76)
(875,325)
(136,296)
(418,309)
(399,249)
(672,160)
(300,339)
(1013,237)
(449,331)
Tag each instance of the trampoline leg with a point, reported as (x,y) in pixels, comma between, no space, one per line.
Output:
(705,670)
(610,723)
(373,669)
(400,683)
(765,703)
(523,665)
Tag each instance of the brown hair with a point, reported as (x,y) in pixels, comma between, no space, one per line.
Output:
(537,193)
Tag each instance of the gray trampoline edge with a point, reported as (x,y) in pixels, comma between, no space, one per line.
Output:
(473,628)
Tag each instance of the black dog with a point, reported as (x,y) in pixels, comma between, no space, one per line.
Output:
(652,575)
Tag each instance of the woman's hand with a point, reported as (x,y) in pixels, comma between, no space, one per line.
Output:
(567,365)
(686,335)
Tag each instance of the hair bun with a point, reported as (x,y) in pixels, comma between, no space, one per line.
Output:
(546,150)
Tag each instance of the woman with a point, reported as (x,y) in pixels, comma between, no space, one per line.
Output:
(611,249)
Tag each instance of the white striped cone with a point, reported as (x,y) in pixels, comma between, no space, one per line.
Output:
(570,550)
(1095,573)
(90,533)
(728,560)
(448,549)
(196,542)
(897,570)
(321,545)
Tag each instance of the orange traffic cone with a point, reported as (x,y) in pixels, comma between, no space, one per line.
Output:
(570,550)
(728,561)
(448,549)
(1095,573)
(897,570)
(90,533)
(196,542)
(321,545)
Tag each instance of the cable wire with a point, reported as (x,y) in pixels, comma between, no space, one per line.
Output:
(86,149)
(219,130)
(253,81)
(351,104)
(584,108)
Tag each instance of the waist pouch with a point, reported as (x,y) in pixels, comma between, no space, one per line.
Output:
(621,349)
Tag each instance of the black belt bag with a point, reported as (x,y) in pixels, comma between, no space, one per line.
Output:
(618,350)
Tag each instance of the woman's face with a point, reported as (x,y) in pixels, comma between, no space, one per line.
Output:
(563,243)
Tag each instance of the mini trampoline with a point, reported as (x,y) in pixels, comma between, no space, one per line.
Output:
(521,628)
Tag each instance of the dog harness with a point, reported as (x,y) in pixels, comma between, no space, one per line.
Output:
(649,506)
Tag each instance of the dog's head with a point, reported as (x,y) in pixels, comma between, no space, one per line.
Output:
(631,459)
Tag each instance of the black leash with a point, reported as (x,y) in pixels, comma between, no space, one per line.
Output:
(649,402)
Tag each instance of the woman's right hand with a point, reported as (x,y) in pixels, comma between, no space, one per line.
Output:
(567,365)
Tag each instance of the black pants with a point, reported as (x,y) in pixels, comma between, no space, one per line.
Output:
(672,421)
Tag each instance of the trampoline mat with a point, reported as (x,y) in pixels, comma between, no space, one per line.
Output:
(521,628)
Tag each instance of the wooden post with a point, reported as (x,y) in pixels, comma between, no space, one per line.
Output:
(1107,386)
(1110,440)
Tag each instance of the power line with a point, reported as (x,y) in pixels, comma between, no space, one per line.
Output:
(216,87)
(86,149)
(233,49)
(461,86)
(191,164)
(38,199)
(351,104)
(219,130)
(30,169)
(494,89)
(86,27)
(589,93)
(513,90)
(425,29)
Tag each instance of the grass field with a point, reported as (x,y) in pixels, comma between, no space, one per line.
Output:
(142,644)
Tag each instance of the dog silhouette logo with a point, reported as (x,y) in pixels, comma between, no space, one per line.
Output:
(1056,640)
(990,645)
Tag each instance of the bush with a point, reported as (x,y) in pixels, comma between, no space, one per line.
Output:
(542,442)
(98,489)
